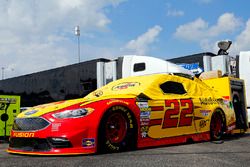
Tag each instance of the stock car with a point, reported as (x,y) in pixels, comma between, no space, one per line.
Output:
(127,114)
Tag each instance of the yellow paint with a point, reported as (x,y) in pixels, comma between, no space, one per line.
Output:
(46,108)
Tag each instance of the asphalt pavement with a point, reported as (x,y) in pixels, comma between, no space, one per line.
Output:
(233,151)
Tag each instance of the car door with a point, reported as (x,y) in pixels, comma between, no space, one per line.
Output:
(172,114)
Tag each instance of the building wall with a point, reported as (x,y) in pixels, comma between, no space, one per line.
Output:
(68,82)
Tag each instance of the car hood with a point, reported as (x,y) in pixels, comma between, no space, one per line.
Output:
(40,110)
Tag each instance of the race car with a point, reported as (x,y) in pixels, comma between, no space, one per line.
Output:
(130,113)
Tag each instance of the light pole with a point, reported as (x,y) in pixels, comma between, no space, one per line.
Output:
(77,33)
(3,73)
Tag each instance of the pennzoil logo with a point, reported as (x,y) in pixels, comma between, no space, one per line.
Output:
(23,134)
(125,85)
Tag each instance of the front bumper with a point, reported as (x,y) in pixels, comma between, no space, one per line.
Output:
(66,139)
(50,146)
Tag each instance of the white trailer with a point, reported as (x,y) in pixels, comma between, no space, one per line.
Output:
(134,65)
(244,73)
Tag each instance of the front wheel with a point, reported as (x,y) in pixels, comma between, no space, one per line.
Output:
(217,125)
(117,131)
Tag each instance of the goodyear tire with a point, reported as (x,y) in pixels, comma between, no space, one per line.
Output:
(117,131)
(217,125)
(239,112)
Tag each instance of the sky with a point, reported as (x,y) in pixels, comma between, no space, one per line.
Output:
(37,35)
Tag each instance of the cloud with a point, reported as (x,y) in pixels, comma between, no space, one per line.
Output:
(173,12)
(38,35)
(141,44)
(199,29)
(227,23)
(207,36)
(242,41)
(192,31)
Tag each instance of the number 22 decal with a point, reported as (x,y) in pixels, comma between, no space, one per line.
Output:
(172,118)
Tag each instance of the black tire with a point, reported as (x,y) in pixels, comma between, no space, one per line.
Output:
(238,109)
(117,131)
(217,125)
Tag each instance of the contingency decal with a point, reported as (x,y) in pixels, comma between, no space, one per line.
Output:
(205,112)
(88,143)
(125,85)
(55,127)
(145,111)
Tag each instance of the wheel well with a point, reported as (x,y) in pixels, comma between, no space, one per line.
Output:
(135,124)
(223,117)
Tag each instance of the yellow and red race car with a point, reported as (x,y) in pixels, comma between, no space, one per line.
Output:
(130,113)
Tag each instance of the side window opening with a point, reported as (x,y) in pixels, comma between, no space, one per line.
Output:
(139,67)
(173,87)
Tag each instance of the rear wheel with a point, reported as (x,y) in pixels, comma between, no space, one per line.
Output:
(117,131)
(217,125)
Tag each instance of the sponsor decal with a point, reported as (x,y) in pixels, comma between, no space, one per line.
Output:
(232,127)
(117,101)
(145,114)
(203,123)
(228,104)
(144,134)
(31,112)
(88,142)
(144,121)
(142,104)
(55,127)
(98,93)
(144,131)
(125,85)
(23,134)
(205,112)
(210,101)
(145,109)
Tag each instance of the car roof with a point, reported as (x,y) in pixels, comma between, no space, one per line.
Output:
(148,85)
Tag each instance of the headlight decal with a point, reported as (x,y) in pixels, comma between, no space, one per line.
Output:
(75,113)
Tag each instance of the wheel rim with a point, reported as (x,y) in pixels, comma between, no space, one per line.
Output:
(116,128)
(216,125)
